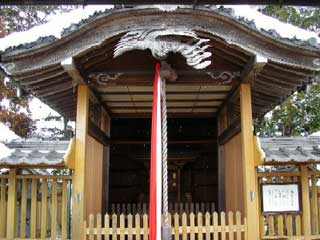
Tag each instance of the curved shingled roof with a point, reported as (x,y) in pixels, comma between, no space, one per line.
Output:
(287,65)
(39,153)
(291,149)
(229,12)
(36,152)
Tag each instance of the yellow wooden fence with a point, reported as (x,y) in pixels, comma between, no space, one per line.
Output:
(304,225)
(39,208)
(192,226)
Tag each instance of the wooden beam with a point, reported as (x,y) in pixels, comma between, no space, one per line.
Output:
(171,107)
(246,74)
(306,214)
(106,128)
(150,93)
(214,101)
(221,179)
(173,142)
(251,69)
(12,205)
(38,73)
(170,115)
(98,134)
(38,79)
(249,172)
(230,132)
(78,181)
(254,66)
(70,67)
(54,90)
(3,206)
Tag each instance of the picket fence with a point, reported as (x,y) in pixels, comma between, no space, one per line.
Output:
(41,207)
(289,226)
(192,226)
(142,208)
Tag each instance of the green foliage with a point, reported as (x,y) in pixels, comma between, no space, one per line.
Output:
(299,115)
(307,18)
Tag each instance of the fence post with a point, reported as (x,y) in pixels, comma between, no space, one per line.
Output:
(306,215)
(3,207)
(12,204)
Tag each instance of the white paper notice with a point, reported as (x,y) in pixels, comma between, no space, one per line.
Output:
(280,198)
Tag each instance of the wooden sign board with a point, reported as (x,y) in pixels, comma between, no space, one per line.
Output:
(280,198)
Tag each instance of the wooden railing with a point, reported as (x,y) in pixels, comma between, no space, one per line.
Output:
(191,226)
(289,225)
(142,208)
(39,205)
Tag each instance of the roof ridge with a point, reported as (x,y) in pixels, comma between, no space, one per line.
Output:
(310,43)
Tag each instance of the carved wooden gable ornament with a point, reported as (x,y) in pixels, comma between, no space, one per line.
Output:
(165,40)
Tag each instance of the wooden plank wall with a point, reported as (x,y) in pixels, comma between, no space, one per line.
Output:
(233,175)
(94,171)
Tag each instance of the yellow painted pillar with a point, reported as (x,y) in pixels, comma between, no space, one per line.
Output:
(12,205)
(306,214)
(78,180)
(249,171)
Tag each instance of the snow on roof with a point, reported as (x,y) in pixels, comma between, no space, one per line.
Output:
(287,149)
(4,151)
(57,23)
(6,134)
(262,21)
(316,134)
(54,27)
(34,152)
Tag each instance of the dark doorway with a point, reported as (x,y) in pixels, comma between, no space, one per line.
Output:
(192,161)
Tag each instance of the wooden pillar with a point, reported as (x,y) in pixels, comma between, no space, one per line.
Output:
(306,215)
(78,181)
(12,205)
(221,179)
(249,171)
(106,128)
(179,184)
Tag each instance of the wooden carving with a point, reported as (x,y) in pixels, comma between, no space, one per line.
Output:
(162,41)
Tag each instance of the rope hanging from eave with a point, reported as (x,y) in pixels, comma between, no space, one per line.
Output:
(166,228)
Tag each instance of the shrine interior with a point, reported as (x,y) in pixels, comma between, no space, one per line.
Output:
(192,161)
